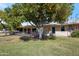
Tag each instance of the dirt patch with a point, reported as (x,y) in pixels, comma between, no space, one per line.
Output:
(12,38)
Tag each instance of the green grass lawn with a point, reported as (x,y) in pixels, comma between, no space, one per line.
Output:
(12,45)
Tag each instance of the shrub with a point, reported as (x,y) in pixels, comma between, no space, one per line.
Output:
(44,37)
(75,33)
(52,37)
(25,38)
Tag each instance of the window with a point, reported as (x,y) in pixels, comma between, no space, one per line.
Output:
(53,29)
(62,28)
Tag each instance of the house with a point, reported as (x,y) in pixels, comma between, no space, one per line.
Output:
(53,26)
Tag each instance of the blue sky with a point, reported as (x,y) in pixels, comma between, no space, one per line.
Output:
(75,14)
(4,5)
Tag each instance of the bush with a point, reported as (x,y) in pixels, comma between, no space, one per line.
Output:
(25,38)
(75,34)
(52,37)
(44,37)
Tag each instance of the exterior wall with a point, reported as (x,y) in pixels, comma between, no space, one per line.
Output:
(58,27)
(71,27)
(47,28)
(78,26)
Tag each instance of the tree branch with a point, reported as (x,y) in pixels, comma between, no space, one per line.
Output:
(32,24)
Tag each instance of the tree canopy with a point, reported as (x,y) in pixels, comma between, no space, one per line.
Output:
(38,13)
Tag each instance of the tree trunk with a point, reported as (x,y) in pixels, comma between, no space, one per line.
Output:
(40,32)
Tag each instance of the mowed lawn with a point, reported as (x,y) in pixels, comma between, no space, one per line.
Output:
(61,46)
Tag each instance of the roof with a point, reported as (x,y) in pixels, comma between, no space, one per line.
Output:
(77,21)
(27,24)
(54,23)
(72,21)
(31,23)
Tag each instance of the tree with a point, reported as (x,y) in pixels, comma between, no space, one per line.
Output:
(13,20)
(39,14)
(2,18)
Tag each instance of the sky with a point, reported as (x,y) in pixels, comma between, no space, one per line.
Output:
(74,16)
(4,5)
(75,13)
